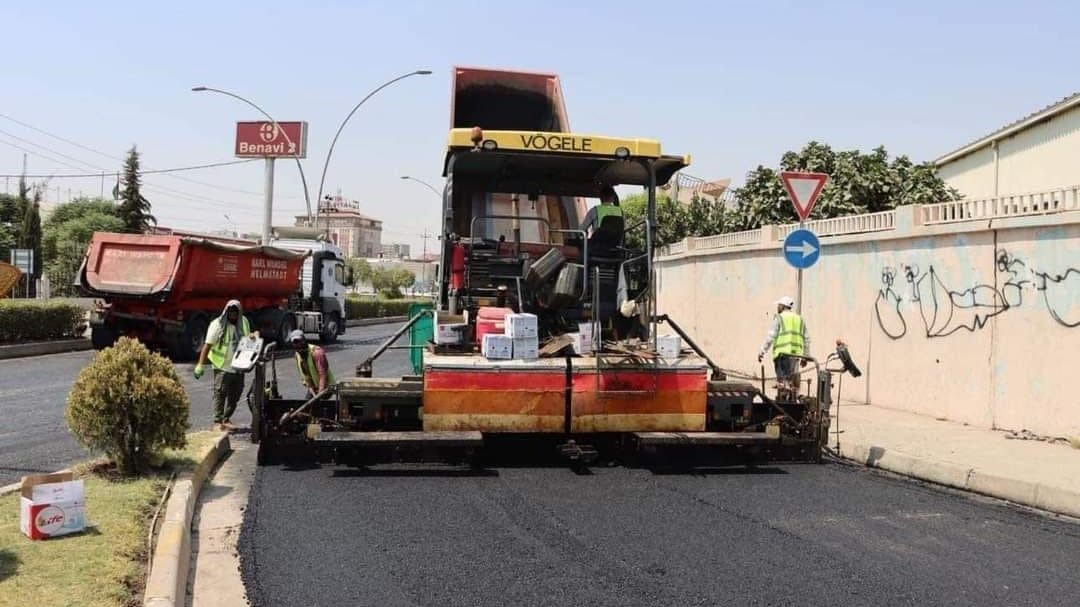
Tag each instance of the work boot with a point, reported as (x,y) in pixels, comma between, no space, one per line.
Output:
(227,426)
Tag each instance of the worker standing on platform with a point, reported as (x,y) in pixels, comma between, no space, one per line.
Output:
(788,340)
(312,364)
(222,339)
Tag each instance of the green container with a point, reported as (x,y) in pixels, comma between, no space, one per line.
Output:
(420,334)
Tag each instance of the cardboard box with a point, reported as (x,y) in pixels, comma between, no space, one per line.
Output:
(51,505)
(521,325)
(450,334)
(586,329)
(668,346)
(583,343)
(498,347)
(526,348)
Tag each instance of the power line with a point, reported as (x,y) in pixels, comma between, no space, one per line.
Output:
(147,171)
(141,172)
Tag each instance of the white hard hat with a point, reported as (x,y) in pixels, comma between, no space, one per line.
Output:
(786,301)
(296,335)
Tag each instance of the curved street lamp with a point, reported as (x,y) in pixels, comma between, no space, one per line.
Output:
(326,164)
(425,184)
(277,127)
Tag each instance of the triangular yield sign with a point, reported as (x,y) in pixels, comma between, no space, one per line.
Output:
(803,189)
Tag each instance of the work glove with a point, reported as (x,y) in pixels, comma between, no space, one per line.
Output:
(804,363)
(198,371)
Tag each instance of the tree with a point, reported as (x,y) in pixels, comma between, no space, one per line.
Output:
(858,183)
(29,236)
(134,207)
(66,235)
(674,220)
(389,281)
(361,269)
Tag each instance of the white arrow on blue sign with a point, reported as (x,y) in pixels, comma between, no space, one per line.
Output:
(802,249)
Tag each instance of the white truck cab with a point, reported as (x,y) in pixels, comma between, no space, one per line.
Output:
(320,305)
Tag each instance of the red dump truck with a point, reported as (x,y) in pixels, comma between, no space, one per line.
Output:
(165,289)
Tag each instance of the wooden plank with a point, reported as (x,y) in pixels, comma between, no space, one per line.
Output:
(704,438)
(440,439)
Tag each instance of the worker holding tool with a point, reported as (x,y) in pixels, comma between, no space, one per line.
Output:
(312,364)
(222,340)
(788,340)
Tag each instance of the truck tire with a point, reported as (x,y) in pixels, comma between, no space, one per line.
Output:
(190,342)
(331,327)
(288,323)
(102,337)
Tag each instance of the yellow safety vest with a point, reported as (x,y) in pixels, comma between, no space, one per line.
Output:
(220,350)
(790,340)
(309,373)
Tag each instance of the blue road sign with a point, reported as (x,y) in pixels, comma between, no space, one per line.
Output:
(802,249)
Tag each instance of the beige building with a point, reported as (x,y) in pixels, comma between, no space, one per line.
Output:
(1038,153)
(357,234)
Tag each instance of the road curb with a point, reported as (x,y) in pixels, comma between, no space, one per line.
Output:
(40,348)
(166,585)
(367,322)
(1019,491)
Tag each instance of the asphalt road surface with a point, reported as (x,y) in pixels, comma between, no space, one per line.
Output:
(34,437)
(828,534)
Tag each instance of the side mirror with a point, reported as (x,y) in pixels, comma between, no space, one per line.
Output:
(349,280)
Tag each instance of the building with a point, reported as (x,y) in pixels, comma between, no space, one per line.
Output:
(1038,153)
(357,234)
(395,251)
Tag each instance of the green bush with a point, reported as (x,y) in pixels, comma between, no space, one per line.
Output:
(129,404)
(29,320)
(361,307)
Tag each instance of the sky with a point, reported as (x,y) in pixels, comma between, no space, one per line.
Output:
(734,84)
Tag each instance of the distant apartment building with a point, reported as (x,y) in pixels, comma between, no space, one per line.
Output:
(357,234)
(395,251)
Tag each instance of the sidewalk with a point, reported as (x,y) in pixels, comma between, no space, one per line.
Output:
(1029,472)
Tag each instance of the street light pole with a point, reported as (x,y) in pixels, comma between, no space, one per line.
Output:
(268,208)
(326,164)
(425,184)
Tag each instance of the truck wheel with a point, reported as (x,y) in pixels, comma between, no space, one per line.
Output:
(331,326)
(102,337)
(288,323)
(190,342)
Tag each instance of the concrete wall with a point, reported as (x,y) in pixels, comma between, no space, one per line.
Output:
(977,322)
(1041,157)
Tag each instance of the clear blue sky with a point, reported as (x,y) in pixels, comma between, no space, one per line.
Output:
(734,84)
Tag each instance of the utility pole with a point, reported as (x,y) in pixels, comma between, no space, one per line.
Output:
(425,236)
(103,184)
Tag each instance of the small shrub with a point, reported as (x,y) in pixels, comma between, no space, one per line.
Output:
(129,404)
(27,320)
(358,307)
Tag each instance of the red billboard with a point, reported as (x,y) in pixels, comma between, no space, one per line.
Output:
(264,139)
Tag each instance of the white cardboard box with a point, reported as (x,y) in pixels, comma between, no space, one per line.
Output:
(51,505)
(586,329)
(668,346)
(583,343)
(526,348)
(521,325)
(498,347)
(450,334)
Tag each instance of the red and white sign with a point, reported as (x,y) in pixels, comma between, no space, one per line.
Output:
(264,139)
(803,189)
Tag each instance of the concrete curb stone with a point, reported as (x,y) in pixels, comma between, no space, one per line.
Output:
(1019,491)
(166,585)
(39,348)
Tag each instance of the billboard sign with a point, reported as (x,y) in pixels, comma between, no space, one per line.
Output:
(265,139)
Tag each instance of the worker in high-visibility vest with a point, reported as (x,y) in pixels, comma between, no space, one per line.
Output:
(788,340)
(222,339)
(311,364)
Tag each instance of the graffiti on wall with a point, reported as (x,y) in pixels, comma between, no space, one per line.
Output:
(943,310)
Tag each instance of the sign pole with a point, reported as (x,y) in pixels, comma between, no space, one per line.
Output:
(269,204)
(798,294)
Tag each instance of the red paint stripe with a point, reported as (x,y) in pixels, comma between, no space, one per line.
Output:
(612,381)
(455,379)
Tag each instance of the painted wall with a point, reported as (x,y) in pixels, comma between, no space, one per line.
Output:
(1042,157)
(967,322)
